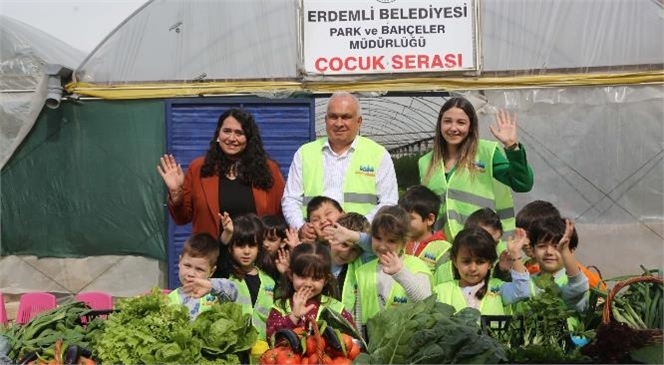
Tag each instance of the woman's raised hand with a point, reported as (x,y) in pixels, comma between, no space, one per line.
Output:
(505,129)
(171,172)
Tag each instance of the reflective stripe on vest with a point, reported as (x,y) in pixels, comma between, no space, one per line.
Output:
(465,193)
(264,301)
(204,303)
(491,304)
(359,186)
(367,277)
(325,302)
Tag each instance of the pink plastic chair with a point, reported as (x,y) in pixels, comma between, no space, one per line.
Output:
(97,300)
(3,311)
(32,304)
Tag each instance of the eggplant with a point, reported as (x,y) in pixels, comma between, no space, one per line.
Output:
(72,354)
(30,356)
(332,338)
(290,337)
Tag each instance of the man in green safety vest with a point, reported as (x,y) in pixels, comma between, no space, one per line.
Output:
(354,170)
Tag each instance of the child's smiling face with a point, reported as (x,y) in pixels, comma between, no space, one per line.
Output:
(548,257)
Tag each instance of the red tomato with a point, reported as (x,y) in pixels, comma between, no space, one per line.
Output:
(326,359)
(341,361)
(348,342)
(313,343)
(269,357)
(288,357)
(354,351)
(313,359)
(304,361)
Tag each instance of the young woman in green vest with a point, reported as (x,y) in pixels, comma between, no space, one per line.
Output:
(393,278)
(307,287)
(473,253)
(244,235)
(470,173)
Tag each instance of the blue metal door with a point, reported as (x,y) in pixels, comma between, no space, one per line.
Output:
(190,123)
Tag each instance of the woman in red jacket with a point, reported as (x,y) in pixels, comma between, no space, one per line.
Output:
(235,177)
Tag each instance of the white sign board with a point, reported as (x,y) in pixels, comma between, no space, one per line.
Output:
(343,37)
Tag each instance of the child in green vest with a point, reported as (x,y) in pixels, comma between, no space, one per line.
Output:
(346,259)
(554,251)
(245,249)
(473,254)
(394,277)
(196,265)
(540,210)
(487,219)
(430,246)
(307,287)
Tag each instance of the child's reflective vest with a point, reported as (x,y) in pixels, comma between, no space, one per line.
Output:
(204,303)
(491,304)
(261,309)
(367,277)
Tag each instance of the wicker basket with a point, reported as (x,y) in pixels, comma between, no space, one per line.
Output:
(654,336)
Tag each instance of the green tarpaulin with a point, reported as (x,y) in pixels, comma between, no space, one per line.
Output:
(84,183)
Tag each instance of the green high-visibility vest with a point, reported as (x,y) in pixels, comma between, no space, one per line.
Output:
(359,187)
(435,254)
(325,302)
(491,304)
(204,303)
(349,293)
(443,273)
(464,193)
(264,301)
(367,277)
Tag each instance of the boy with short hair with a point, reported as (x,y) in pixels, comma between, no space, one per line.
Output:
(323,212)
(430,246)
(196,264)
(346,259)
(554,251)
(540,210)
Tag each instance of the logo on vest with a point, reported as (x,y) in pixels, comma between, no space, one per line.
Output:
(480,166)
(269,290)
(494,291)
(399,300)
(367,170)
(209,299)
(429,257)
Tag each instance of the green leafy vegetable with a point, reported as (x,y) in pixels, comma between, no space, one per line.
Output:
(428,332)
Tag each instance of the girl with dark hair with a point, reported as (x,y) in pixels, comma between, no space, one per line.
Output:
(235,177)
(306,289)
(473,254)
(470,173)
(239,263)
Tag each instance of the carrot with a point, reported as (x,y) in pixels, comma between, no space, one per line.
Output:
(85,361)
